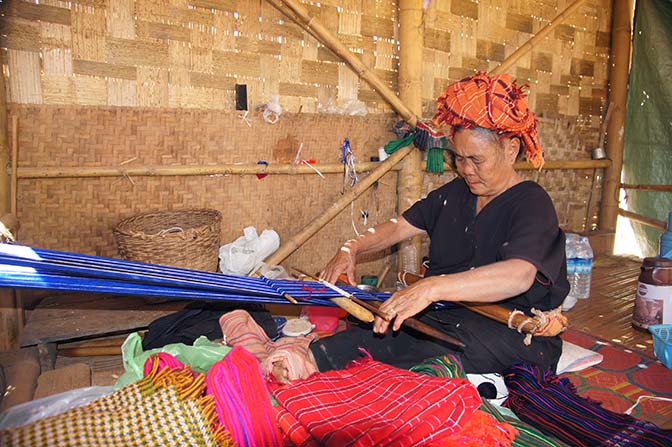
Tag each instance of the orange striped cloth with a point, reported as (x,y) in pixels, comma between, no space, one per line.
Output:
(495,103)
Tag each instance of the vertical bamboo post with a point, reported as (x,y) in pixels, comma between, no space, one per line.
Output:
(621,32)
(4,150)
(10,311)
(411,43)
(13,190)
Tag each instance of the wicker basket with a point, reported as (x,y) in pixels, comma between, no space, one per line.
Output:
(185,238)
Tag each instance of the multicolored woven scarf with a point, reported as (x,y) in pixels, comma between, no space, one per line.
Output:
(495,103)
(242,401)
(449,366)
(551,404)
(167,407)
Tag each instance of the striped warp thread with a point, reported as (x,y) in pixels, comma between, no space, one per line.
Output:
(552,405)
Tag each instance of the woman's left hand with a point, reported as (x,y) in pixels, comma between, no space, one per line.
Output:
(408,302)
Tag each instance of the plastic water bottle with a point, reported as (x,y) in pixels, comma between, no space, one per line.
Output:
(571,247)
(583,268)
(666,240)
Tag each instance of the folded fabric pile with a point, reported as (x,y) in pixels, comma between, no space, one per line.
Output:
(166,407)
(552,405)
(371,403)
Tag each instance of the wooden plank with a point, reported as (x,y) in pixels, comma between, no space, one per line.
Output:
(80,316)
(105,370)
(21,369)
(60,380)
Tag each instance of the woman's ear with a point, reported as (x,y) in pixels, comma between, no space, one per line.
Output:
(512,149)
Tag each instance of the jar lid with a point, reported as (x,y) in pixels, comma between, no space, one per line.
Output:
(665,263)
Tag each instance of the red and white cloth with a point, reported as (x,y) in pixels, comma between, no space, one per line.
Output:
(374,404)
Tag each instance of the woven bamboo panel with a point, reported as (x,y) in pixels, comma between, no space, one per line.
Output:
(78,214)
(190,54)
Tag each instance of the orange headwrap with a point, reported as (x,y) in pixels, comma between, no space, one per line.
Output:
(495,103)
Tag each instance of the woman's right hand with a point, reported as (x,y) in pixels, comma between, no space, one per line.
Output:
(344,261)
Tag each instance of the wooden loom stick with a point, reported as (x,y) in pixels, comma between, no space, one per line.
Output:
(373,306)
(529,45)
(495,312)
(348,305)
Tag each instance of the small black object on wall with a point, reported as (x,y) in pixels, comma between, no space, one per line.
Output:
(241,97)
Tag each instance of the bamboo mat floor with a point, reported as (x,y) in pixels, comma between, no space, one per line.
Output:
(608,311)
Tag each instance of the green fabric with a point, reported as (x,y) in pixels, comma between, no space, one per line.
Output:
(647,155)
(201,356)
(435,160)
(392,146)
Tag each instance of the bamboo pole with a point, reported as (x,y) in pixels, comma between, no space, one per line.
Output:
(11,310)
(4,151)
(364,72)
(13,192)
(187,170)
(647,187)
(618,85)
(298,239)
(655,223)
(411,42)
(251,169)
(529,45)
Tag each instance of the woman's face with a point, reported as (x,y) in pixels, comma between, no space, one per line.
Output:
(485,163)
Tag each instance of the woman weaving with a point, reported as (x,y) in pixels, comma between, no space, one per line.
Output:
(494,238)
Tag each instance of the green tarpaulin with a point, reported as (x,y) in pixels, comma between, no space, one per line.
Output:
(647,157)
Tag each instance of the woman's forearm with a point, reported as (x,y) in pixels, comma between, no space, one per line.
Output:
(486,284)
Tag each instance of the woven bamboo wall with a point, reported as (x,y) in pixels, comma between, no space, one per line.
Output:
(191,53)
(78,214)
(99,83)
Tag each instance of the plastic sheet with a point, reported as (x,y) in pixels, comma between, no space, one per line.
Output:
(647,158)
(200,356)
(34,410)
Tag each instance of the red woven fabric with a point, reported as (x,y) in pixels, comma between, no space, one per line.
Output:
(374,404)
(495,103)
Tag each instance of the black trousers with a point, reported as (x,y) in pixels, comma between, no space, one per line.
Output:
(491,346)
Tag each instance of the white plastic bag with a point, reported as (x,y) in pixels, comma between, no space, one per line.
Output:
(53,405)
(246,253)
